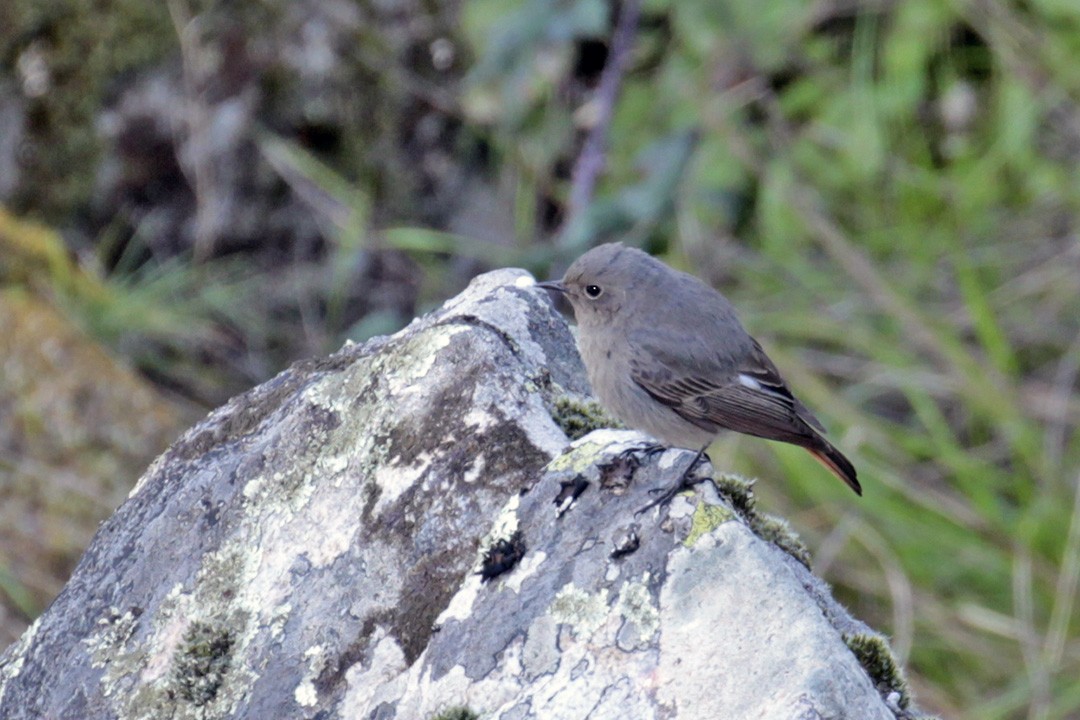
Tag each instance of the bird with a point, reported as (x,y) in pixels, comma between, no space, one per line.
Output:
(666,354)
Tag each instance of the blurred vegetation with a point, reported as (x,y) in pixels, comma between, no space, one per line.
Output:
(77,425)
(887,191)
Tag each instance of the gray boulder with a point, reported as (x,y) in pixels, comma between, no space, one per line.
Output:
(405,530)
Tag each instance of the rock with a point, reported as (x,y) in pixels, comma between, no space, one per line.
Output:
(403,530)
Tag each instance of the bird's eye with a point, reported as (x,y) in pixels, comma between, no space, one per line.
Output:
(593,291)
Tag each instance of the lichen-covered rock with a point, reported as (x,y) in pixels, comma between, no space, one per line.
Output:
(684,612)
(403,530)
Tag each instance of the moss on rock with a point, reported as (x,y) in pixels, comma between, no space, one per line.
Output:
(577,417)
(456,713)
(739,493)
(202,662)
(875,656)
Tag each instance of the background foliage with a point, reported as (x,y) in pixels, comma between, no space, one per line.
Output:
(887,190)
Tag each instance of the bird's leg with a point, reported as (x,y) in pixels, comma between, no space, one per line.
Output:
(685,482)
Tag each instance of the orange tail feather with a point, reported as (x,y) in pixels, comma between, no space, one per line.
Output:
(837,464)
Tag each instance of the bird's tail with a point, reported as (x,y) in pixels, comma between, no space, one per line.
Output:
(835,461)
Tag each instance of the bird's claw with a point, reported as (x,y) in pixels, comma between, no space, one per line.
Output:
(648,450)
(666,496)
(686,481)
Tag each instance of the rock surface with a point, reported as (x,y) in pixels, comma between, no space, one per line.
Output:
(404,529)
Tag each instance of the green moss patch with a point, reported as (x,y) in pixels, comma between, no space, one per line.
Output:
(738,491)
(876,658)
(577,418)
(456,713)
(202,662)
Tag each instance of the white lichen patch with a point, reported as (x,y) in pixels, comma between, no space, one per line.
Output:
(504,527)
(332,391)
(253,487)
(326,529)
(112,633)
(473,473)
(279,616)
(423,697)
(580,682)
(380,680)
(635,603)
(394,480)
(612,573)
(265,576)
(682,505)
(168,635)
(477,419)
(585,612)
(304,489)
(525,569)
(305,693)
(18,651)
(415,360)
(334,464)
(461,604)
(262,488)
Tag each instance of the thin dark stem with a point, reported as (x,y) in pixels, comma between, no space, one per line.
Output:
(590,162)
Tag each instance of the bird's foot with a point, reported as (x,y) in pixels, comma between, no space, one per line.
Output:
(618,473)
(647,450)
(685,482)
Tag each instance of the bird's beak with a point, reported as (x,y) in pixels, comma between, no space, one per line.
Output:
(555,285)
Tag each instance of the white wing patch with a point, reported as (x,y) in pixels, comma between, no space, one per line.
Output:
(747,381)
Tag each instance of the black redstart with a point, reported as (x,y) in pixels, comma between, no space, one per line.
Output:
(666,354)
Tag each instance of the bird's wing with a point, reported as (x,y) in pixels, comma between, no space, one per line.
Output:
(759,367)
(747,396)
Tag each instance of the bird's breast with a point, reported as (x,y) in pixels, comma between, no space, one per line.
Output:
(607,357)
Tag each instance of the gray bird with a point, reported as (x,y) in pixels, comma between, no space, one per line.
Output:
(667,355)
